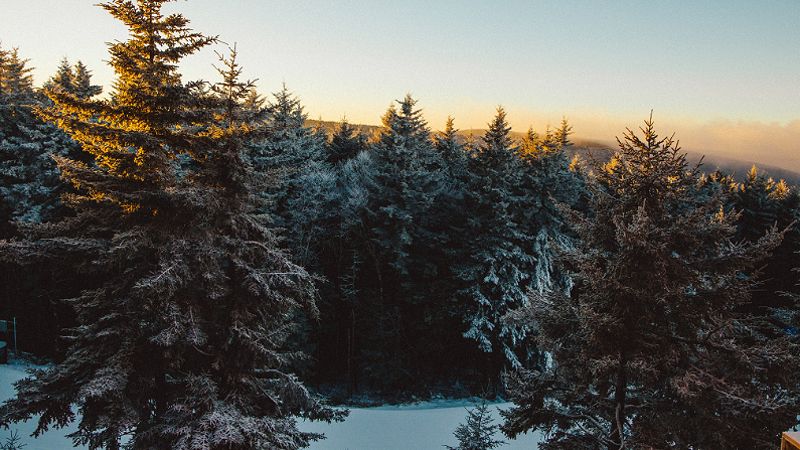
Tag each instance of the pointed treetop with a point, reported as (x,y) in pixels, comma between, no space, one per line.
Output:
(146,64)
(561,135)
(405,123)
(143,126)
(531,142)
(498,137)
(62,80)
(646,168)
(446,142)
(286,110)
(82,82)
(15,75)
(449,127)
(346,142)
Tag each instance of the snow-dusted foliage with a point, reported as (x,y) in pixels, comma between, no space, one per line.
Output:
(406,183)
(287,150)
(514,223)
(654,347)
(477,433)
(29,179)
(181,343)
(345,143)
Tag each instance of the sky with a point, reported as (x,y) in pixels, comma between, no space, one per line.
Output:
(724,75)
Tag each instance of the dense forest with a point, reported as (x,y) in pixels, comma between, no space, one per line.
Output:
(204,265)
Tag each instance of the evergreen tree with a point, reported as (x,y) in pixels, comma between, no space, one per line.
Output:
(180,342)
(651,348)
(498,271)
(345,143)
(29,179)
(62,80)
(764,203)
(478,432)
(407,184)
(550,182)
(531,142)
(390,286)
(82,85)
(16,80)
(560,137)
(448,145)
(288,152)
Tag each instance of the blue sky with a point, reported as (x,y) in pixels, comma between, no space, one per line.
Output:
(602,64)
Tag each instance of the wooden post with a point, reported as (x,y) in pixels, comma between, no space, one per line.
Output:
(790,440)
(16,354)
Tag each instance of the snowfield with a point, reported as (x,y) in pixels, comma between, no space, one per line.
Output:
(53,439)
(420,426)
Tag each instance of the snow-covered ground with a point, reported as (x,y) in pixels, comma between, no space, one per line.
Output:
(52,439)
(420,426)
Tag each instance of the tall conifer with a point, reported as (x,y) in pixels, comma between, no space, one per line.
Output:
(651,348)
(179,343)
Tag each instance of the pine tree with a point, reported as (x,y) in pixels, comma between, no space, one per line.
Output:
(62,79)
(16,80)
(345,143)
(531,142)
(650,348)
(549,183)
(406,184)
(498,270)
(180,341)
(29,179)
(82,85)
(12,442)
(560,138)
(288,149)
(448,145)
(392,193)
(763,203)
(478,432)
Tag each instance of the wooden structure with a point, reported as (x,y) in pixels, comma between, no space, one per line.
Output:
(790,440)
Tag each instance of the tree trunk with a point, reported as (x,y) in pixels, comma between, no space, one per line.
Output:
(617,435)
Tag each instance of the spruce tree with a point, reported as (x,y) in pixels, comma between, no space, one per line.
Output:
(345,143)
(82,85)
(650,349)
(387,276)
(29,179)
(549,183)
(406,182)
(288,152)
(498,271)
(16,80)
(180,341)
(763,203)
(531,142)
(478,431)
(62,79)
(448,144)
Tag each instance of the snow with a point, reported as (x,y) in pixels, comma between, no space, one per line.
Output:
(52,439)
(418,426)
